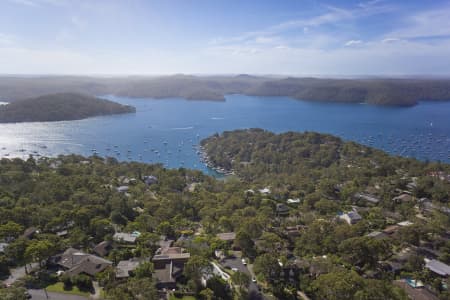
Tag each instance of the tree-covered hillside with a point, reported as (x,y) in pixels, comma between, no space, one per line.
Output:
(306,213)
(303,162)
(378,91)
(59,107)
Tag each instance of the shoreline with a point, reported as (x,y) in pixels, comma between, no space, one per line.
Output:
(205,159)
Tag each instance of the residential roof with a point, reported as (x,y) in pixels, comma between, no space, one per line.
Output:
(165,243)
(123,188)
(3,247)
(377,234)
(292,201)
(265,190)
(171,256)
(405,223)
(77,262)
(164,275)
(124,267)
(391,229)
(62,233)
(126,237)
(227,236)
(403,198)
(438,267)
(282,208)
(29,232)
(354,216)
(103,248)
(367,197)
(149,180)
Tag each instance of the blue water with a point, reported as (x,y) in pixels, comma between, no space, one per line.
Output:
(173,127)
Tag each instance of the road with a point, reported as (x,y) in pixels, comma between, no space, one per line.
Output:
(19,272)
(253,289)
(40,295)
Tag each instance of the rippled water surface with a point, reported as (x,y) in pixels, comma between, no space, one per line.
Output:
(169,130)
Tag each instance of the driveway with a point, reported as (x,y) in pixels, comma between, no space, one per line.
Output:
(19,272)
(40,295)
(236,262)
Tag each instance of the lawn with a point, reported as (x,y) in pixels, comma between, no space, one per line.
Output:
(59,288)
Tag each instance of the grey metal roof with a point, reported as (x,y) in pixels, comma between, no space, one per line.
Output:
(438,267)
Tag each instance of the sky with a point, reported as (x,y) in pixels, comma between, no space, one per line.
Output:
(297,37)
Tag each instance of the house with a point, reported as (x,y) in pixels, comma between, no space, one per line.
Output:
(377,235)
(414,291)
(402,198)
(282,209)
(294,231)
(293,201)
(405,223)
(227,236)
(125,180)
(164,244)
(149,180)
(265,191)
(123,188)
(3,247)
(367,197)
(76,262)
(437,267)
(62,233)
(352,217)
(169,267)
(126,237)
(219,254)
(249,192)
(397,262)
(103,248)
(391,229)
(125,268)
(30,232)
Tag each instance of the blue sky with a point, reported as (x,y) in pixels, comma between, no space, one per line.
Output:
(297,37)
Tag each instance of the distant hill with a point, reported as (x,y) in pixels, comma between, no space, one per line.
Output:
(381,91)
(59,107)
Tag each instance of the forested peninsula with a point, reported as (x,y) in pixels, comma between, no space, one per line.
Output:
(59,107)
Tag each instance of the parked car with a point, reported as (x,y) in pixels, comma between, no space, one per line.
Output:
(244,262)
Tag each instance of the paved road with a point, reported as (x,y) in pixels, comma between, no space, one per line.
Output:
(40,295)
(237,263)
(19,272)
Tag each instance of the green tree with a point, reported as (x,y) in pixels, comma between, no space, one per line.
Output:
(195,268)
(245,243)
(10,230)
(38,251)
(144,270)
(242,280)
(267,266)
(13,293)
(337,285)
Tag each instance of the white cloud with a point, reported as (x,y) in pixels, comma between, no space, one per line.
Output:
(7,40)
(425,24)
(36,3)
(390,40)
(24,2)
(331,15)
(353,43)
